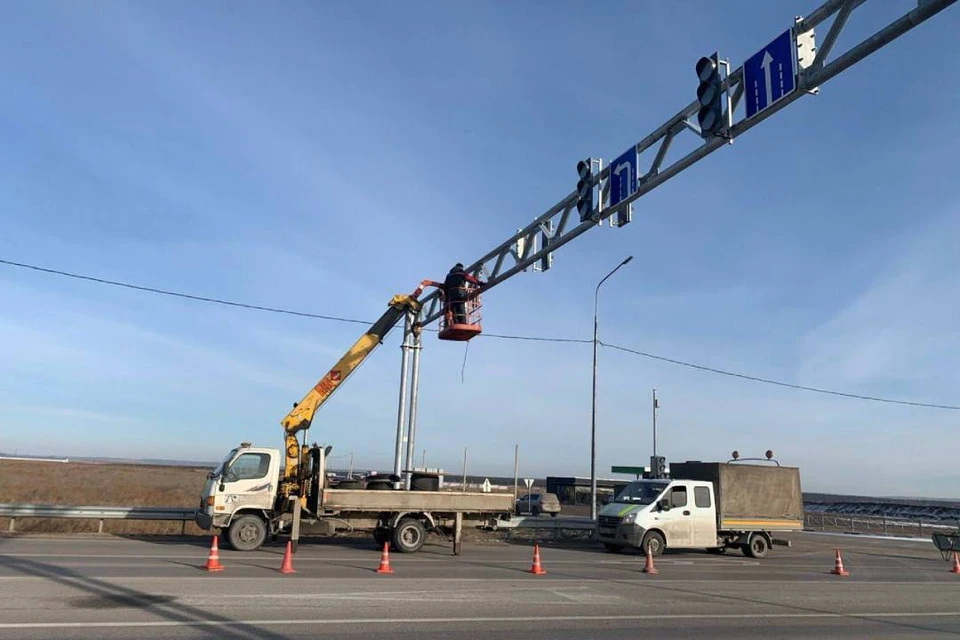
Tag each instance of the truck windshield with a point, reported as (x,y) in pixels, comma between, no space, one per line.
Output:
(221,466)
(643,492)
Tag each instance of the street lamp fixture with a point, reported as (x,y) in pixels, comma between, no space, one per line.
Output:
(593,417)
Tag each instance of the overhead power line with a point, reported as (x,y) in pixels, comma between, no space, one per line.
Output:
(500,336)
(778,383)
(176,294)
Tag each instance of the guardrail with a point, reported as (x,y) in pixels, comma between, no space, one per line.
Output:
(813,521)
(14,511)
(877,525)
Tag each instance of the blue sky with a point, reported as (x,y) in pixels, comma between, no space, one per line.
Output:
(323,156)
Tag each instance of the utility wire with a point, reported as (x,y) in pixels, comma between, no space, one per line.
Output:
(535,338)
(778,383)
(175,294)
(644,354)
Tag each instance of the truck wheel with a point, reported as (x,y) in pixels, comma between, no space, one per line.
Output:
(654,542)
(409,535)
(612,548)
(247,532)
(554,514)
(757,546)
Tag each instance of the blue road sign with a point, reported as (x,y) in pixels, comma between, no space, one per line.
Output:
(770,74)
(623,176)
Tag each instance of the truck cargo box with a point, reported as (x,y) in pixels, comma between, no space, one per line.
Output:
(749,496)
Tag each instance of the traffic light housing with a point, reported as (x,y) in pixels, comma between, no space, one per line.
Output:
(585,189)
(709,95)
(658,467)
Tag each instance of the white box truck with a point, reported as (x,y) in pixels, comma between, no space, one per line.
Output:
(705,505)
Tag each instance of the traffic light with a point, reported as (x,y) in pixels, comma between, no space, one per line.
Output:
(709,93)
(585,188)
(658,467)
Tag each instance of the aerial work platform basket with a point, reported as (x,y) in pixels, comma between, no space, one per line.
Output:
(461,316)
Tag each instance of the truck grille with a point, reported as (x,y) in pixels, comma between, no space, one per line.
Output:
(607,526)
(608,521)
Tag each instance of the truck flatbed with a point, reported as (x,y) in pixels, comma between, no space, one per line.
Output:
(439,501)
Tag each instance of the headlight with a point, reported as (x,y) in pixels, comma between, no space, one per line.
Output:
(630,518)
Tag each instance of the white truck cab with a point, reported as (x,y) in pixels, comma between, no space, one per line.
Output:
(656,514)
(244,482)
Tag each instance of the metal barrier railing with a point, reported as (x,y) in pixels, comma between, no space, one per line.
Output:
(813,521)
(14,511)
(876,525)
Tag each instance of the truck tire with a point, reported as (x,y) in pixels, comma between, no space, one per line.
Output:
(757,546)
(379,485)
(654,542)
(612,548)
(409,535)
(247,532)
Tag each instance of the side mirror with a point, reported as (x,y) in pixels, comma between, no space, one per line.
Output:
(222,488)
(664,505)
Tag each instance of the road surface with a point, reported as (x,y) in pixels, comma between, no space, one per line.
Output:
(92,588)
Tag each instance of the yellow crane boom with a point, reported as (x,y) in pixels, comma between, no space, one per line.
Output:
(301,416)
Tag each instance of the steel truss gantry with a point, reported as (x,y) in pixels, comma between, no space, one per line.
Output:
(533,245)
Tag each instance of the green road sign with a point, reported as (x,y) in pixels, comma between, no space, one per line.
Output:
(631,470)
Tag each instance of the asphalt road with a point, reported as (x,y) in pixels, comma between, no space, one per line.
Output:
(75,587)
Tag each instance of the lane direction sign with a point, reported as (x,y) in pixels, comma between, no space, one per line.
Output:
(770,74)
(623,176)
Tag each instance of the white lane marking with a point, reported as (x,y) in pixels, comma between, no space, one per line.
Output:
(824,580)
(703,562)
(420,621)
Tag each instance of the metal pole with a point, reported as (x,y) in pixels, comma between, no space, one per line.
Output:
(464,482)
(350,470)
(593,407)
(402,408)
(414,385)
(423,460)
(516,470)
(593,418)
(654,423)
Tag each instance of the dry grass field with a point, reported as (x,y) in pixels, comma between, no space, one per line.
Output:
(87,484)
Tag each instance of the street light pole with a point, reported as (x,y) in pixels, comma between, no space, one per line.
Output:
(593,413)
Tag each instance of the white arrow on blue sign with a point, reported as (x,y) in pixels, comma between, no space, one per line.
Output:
(770,74)
(623,176)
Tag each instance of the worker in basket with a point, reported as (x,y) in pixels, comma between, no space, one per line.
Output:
(457,289)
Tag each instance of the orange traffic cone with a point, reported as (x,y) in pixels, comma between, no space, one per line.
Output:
(213,558)
(956,564)
(648,566)
(536,569)
(385,560)
(287,565)
(838,569)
